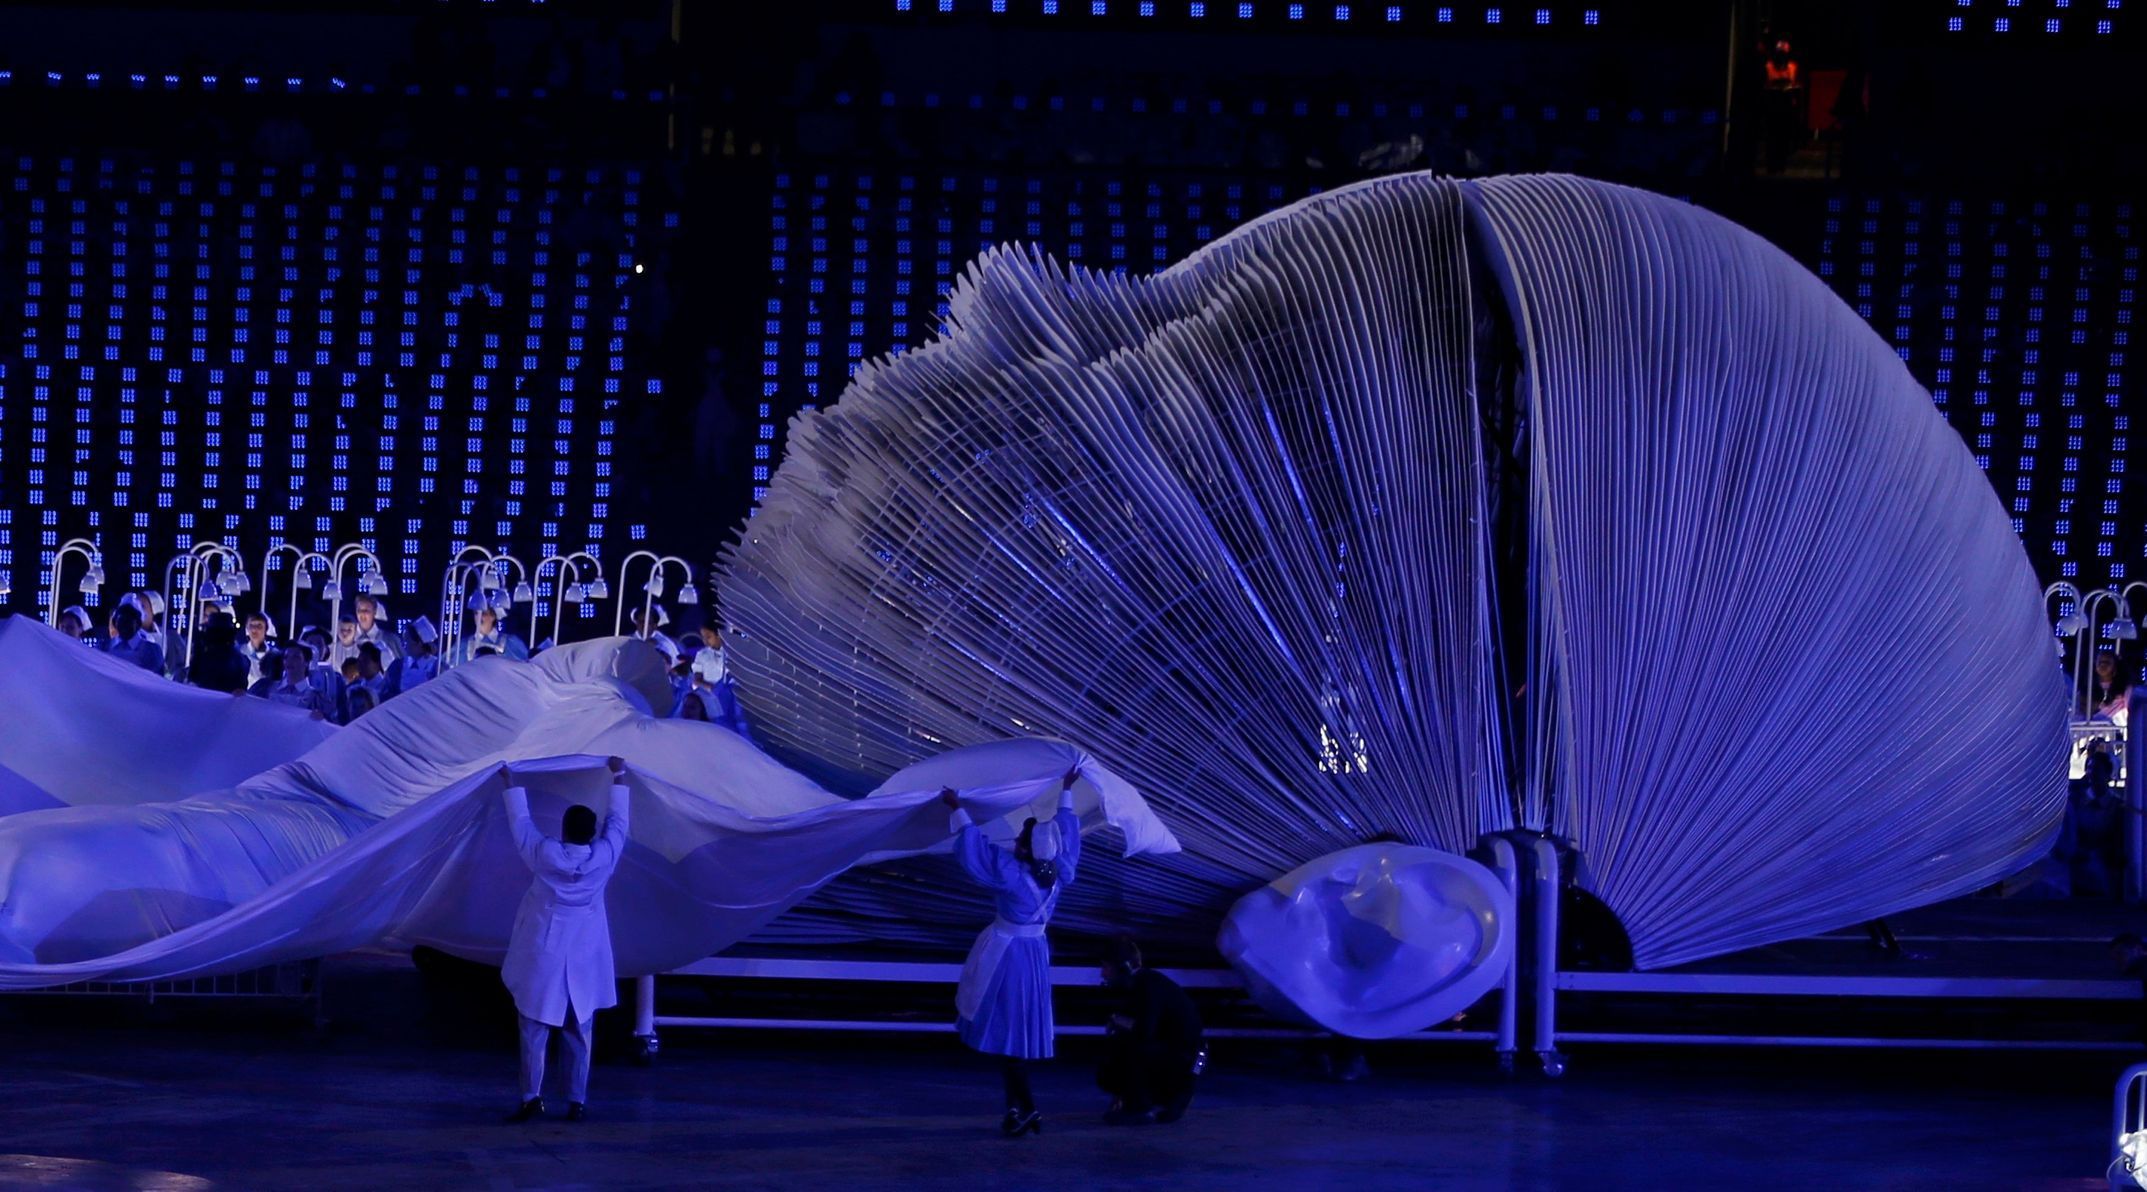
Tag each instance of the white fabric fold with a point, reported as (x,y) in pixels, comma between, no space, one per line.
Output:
(392,832)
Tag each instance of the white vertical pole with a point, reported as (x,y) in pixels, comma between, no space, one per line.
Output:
(1506,864)
(1543,879)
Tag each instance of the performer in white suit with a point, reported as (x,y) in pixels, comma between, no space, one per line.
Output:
(559,964)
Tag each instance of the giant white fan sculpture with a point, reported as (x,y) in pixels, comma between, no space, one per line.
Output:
(1426,508)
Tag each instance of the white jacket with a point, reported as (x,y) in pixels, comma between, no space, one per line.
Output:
(560,951)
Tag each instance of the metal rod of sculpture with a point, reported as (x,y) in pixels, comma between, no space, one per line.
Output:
(651,588)
(92,579)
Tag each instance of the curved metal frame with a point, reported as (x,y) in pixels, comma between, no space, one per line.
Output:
(598,587)
(650,588)
(344,554)
(569,573)
(455,583)
(193,570)
(451,598)
(91,553)
(2088,604)
(298,570)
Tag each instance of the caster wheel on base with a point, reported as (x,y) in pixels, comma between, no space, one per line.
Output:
(1506,1064)
(645,1049)
(1554,1064)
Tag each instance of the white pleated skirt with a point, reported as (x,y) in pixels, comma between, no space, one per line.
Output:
(1015,1017)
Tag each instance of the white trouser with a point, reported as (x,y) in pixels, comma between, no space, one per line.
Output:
(573,1038)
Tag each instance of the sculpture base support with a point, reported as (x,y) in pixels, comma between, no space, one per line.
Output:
(646,1044)
(1530,865)
(1498,853)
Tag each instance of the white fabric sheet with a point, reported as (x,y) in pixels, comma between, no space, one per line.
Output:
(393,831)
(83,727)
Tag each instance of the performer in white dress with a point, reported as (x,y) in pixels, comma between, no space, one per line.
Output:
(559,965)
(1004,1000)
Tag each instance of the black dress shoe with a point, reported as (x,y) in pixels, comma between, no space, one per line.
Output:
(1175,1108)
(532,1108)
(1019,1122)
(575,1111)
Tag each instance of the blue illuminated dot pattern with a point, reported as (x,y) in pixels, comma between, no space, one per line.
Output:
(411,357)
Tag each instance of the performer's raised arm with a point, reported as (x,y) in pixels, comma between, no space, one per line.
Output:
(527,839)
(1069,827)
(615,822)
(985,864)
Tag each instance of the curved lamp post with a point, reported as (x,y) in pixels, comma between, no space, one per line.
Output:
(521,592)
(370,583)
(2126,628)
(2066,624)
(651,588)
(596,588)
(91,579)
(460,569)
(566,589)
(489,569)
(301,580)
(208,571)
(2088,604)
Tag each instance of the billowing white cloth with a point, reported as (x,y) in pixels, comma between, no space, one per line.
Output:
(84,727)
(393,830)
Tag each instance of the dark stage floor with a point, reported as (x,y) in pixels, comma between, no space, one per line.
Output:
(399,1093)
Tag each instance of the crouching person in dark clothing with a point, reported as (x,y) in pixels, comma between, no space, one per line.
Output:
(1153,1047)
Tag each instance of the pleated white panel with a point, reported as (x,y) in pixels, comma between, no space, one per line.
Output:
(1222,526)
(1229,527)
(1791,668)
